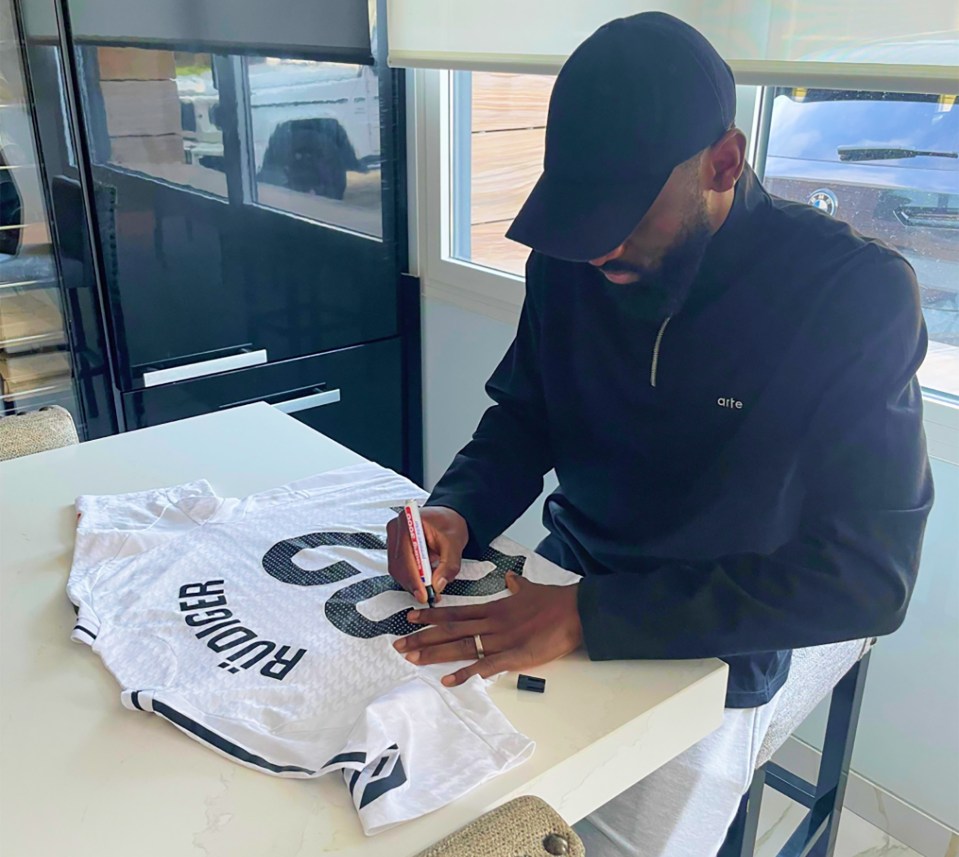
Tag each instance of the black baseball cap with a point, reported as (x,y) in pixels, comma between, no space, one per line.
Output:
(639,97)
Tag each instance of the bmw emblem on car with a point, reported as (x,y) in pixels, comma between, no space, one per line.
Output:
(825,200)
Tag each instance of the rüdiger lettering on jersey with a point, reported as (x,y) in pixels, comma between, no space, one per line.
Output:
(200,597)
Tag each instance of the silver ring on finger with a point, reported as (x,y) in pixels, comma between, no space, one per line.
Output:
(478,640)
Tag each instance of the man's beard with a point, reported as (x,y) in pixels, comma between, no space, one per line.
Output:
(667,284)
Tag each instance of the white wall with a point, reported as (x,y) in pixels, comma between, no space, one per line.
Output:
(460,351)
(908,740)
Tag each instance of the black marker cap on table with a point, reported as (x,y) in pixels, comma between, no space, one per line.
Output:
(531,682)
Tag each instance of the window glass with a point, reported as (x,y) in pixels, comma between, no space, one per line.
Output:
(498,126)
(888,164)
(498,135)
(316,140)
(885,162)
(155,112)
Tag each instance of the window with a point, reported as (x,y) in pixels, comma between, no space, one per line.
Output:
(887,163)
(156,112)
(498,131)
(316,140)
(499,125)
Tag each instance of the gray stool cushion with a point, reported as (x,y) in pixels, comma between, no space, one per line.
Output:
(36,431)
(813,675)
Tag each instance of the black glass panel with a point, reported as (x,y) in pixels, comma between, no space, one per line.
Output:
(316,141)
(246,205)
(155,112)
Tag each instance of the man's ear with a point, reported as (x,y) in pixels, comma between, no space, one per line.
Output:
(725,161)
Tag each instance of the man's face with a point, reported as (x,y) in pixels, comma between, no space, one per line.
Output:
(667,246)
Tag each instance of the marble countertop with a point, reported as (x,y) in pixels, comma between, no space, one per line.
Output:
(82,775)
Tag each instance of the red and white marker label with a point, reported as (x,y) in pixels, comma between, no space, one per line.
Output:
(418,540)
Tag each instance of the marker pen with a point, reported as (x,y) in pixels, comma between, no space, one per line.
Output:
(418,539)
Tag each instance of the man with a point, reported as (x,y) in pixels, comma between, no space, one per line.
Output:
(724,383)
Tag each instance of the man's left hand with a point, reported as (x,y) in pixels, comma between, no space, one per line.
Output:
(534,625)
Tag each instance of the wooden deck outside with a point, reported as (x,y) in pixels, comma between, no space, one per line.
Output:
(508,128)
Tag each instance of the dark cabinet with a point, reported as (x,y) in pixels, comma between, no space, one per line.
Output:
(190,276)
(235,202)
(353,395)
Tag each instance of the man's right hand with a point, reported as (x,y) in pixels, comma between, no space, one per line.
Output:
(446,537)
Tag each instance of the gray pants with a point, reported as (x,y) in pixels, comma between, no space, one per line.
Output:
(685,808)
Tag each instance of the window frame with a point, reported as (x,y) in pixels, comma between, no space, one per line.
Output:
(498,294)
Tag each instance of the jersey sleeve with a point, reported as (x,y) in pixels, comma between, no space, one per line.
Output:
(422,746)
(117,526)
(356,486)
(413,750)
(536,568)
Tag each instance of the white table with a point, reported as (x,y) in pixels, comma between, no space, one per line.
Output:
(80,775)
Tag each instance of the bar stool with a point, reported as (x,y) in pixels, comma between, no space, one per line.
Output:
(839,668)
(524,827)
(36,431)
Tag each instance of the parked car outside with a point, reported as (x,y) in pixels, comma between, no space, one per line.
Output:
(888,164)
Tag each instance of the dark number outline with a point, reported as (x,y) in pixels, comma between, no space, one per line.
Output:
(342,607)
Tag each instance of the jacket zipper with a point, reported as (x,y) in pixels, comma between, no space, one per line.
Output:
(656,345)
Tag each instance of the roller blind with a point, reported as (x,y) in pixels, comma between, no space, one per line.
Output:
(337,28)
(869,44)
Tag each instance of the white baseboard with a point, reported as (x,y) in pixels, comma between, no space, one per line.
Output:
(891,814)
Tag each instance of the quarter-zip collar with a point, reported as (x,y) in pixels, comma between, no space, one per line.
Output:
(733,242)
(654,363)
(726,250)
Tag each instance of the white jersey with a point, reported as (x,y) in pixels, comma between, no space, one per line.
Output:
(263,628)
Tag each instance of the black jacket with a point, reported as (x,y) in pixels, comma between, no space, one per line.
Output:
(742,479)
